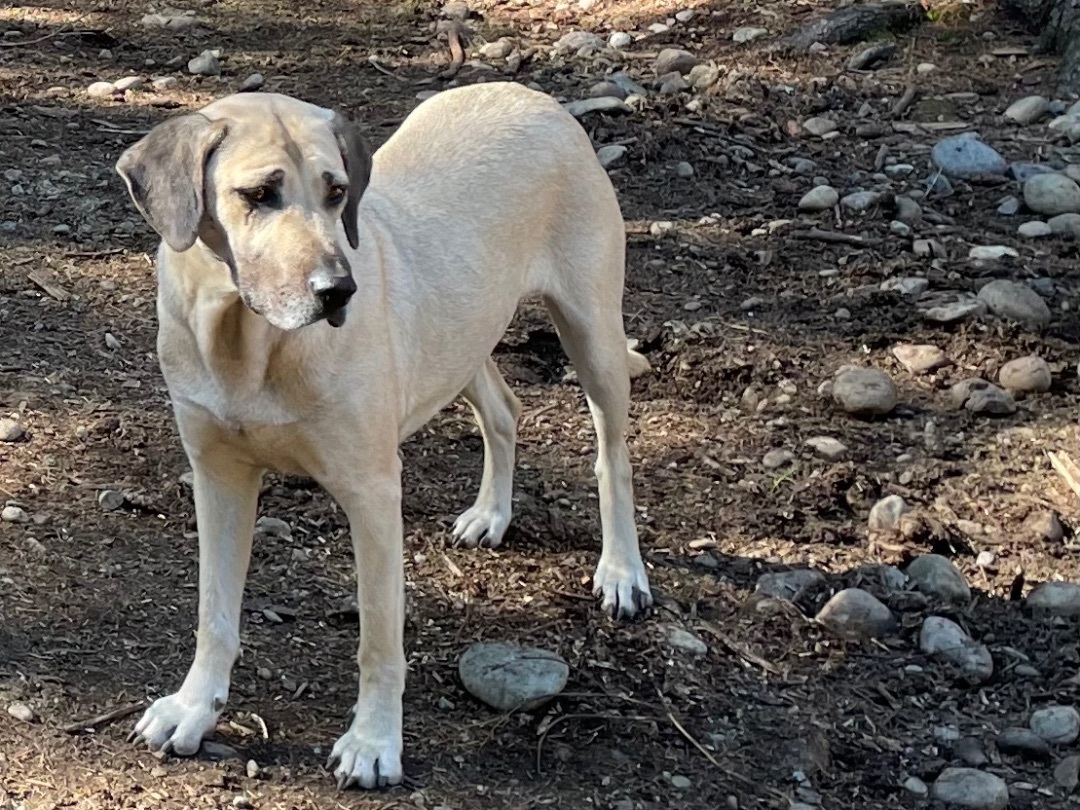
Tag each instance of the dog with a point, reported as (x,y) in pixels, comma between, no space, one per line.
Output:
(317,304)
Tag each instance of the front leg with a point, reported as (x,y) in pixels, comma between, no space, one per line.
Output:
(226,499)
(369,753)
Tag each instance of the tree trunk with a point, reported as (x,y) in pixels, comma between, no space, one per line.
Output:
(1058,22)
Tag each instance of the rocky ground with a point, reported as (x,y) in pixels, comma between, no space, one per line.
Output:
(854,273)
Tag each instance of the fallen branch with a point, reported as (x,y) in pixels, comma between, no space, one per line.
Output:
(906,100)
(64,29)
(102,719)
(1067,468)
(818,235)
(457,51)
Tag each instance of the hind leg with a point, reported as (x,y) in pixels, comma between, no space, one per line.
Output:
(593,337)
(497,411)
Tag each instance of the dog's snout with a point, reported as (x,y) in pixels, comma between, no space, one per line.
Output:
(333,291)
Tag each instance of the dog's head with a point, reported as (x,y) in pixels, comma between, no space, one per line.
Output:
(263,180)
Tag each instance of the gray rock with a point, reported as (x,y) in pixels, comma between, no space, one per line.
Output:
(680,782)
(1044,525)
(776,458)
(611,154)
(11,430)
(1024,742)
(1035,229)
(919,358)
(965,156)
(684,170)
(946,641)
(626,83)
(864,391)
(1067,126)
(1065,225)
(110,500)
(206,63)
(499,49)
(164,83)
(603,89)
(819,126)
(935,575)
(1015,302)
(274,527)
(585,106)
(1026,375)
(992,253)
(673,83)
(886,513)
(827,447)
(802,166)
(899,170)
(790,585)
(1022,172)
(1057,725)
(620,40)
(1009,206)
(512,678)
(702,77)
(819,198)
(575,41)
(252,83)
(14,514)
(1055,599)
(21,712)
(1027,110)
(1052,194)
(1067,773)
(908,211)
(853,613)
(900,228)
(906,285)
(680,639)
(101,90)
(916,787)
(950,307)
(674,60)
(747,33)
(979,396)
(129,83)
(860,201)
(970,751)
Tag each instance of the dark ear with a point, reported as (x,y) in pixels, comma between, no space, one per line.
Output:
(356,153)
(164,175)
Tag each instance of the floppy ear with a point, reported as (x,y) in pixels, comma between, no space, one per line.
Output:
(164,175)
(356,153)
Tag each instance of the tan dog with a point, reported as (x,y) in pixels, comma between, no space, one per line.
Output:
(269,226)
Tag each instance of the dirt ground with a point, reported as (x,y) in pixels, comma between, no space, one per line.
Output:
(97,608)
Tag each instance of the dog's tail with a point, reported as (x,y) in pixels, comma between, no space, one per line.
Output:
(635,360)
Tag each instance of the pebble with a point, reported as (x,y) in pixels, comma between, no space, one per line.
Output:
(860,201)
(1035,229)
(747,33)
(919,358)
(1009,206)
(790,585)
(684,170)
(673,83)
(1055,599)
(14,514)
(853,613)
(970,751)
(252,769)
(164,82)
(610,154)
(827,447)
(575,41)
(985,559)
(906,285)
(674,60)
(899,170)
(935,575)
(1058,725)
(1065,225)
(864,391)
(1044,525)
(512,678)
(908,211)
(945,640)
(252,83)
(602,89)
(925,67)
(819,198)
(776,458)
(593,105)
(900,228)
(206,63)
(620,40)
(627,84)
(819,127)
(916,787)
(1022,741)
(101,90)
(1015,302)
(1021,171)
(22,712)
(703,77)
(110,500)
(1067,772)
(979,396)
(992,253)
(129,83)
(685,16)
(965,156)
(11,430)
(686,641)
(1052,194)
(1027,110)
(1026,375)
(952,307)
(886,513)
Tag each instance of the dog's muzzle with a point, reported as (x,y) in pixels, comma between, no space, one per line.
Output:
(333,293)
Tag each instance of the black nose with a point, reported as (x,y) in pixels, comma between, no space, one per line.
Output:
(334,293)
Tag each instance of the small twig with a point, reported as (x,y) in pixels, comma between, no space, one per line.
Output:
(906,100)
(1067,469)
(379,66)
(94,254)
(819,235)
(634,718)
(102,719)
(63,29)
(50,287)
(457,52)
(740,649)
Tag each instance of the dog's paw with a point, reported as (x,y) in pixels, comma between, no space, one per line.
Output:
(623,587)
(365,758)
(176,724)
(482,525)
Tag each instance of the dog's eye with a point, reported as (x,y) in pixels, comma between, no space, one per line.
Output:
(260,195)
(336,194)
